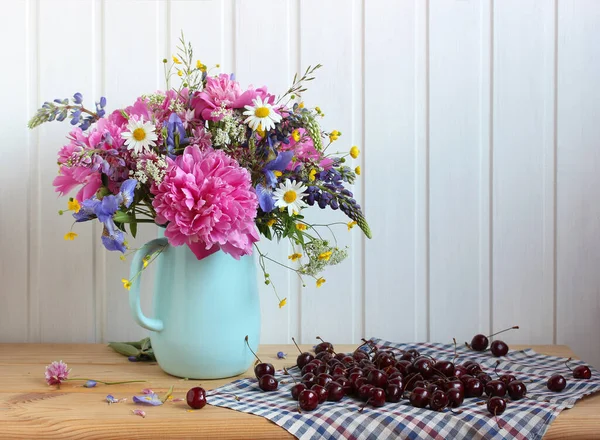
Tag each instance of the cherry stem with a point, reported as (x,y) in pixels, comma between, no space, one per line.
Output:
(567,364)
(286,371)
(370,344)
(514,327)
(294,341)
(223,394)
(496,368)
(106,383)
(455,352)
(248,344)
(364,405)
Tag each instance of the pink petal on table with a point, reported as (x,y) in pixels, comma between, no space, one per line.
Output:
(147,391)
(139,412)
(178,399)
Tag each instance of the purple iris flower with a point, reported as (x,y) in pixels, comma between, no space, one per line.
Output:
(175,133)
(265,198)
(107,207)
(278,164)
(87,211)
(127,191)
(112,238)
(148,399)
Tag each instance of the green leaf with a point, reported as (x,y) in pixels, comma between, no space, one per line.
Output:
(164,398)
(133,229)
(136,344)
(145,344)
(123,217)
(124,349)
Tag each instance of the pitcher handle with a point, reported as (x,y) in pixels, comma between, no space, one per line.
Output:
(153,324)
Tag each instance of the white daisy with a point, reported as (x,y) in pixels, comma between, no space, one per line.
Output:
(289,195)
(261,114)
(140,136)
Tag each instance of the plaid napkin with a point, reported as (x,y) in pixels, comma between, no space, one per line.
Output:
(524,419)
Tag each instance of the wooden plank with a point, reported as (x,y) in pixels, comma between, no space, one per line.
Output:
(14,169)
(390,156)
(332,92)
(278,324)
(62,271)
(144,75)
(456,74)
(523,196)
(28,407)
(578,160)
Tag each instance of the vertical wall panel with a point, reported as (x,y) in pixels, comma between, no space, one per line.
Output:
(62,274)
(332,92)
(253,70)
(523,185)
(389,171)
(455,125)
(126,78)
(578,210)
(14,169)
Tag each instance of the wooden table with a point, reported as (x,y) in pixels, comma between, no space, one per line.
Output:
(31,409)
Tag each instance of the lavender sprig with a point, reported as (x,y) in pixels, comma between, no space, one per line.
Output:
(59,110)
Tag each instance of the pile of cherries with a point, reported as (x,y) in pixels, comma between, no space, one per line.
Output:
(387,374)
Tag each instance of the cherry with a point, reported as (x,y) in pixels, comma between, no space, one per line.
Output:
(321,391)
(438,400)
(507,378)
(424,366)
(444,367)
(323,379)
(582,372)
(262,368)
(359,355)
(377,397)
(474,369)
(499,348)
(455,384)
(459,371)
(495,388)
(364,392)
(335,390)
(267,382)
(556,383)
(323,346)
(393,393)
(419,397)
(455,397)
(308,400)
(480,342)
(297,389)
(308,379)
(397,381)
(324,356)
(516,390)
(377,378)
(358,383)
(496,405)
(433,387)
(196,398)
(403,365)
(465,378)
(303,358)
(484,378)
(309,368)
(473,388)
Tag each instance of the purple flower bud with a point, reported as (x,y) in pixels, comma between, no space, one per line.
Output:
(132,359)
(78,98)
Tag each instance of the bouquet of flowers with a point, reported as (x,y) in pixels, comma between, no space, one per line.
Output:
(214,164)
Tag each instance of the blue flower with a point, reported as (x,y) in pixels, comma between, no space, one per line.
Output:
(87,210)
(90,384)
(278,164)
(77,98)
(127,191)
(107,207)
(175,133)
(112,238)
(148,399)
(265,198)
(281,355)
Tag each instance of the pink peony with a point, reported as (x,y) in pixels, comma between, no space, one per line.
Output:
(209,204)
(56,372)
(222,91)
(69,177)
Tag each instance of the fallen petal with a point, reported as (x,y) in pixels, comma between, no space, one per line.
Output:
(178,399)
(139,412)
(147,391)
(90,384)
(148,399)
(110,399)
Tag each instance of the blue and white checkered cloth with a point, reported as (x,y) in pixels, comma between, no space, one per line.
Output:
(526,419)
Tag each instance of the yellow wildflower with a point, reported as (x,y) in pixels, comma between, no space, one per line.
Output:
(295,256)
(179,72)
(296,135)
(301,105)
(176,60)
(126,283)
(277,173)
(70,236)
(146,260)
(217,65)
(320,281)
(311,175)
(354,152)
(325,255)
(318,109)
(73,205)
(351,225)
(301,226)
(334,135)
(271,222)
(283,302)
(122,257)
(201,66)
(357,170)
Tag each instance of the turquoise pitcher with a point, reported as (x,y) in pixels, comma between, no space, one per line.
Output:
(203,310)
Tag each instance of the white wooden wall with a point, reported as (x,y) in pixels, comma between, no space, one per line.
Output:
(478,120)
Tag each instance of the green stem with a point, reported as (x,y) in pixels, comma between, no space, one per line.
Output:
(109,383)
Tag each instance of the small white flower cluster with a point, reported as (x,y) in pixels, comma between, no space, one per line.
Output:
(229,131)
(153,170)
(317,264)
(154,98)
(176,106)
